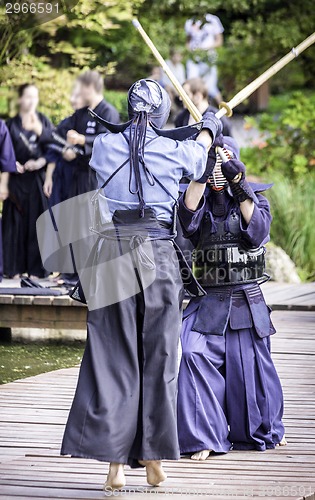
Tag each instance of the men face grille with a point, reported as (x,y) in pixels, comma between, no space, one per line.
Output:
(217,180)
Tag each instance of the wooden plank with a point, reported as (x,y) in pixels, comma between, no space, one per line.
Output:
(32,423)
(53,311)
(23,300)
(6,299)
(62,300)
(42,315)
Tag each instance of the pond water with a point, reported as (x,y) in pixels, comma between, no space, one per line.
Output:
(18,360)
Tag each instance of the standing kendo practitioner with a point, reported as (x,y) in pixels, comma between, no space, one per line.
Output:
(30,132)
(59,172)
(124,409)
(197,91)
(229,393)
(7,165)
(80,130)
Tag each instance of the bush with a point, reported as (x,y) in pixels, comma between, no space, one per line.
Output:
(54,89)
(287,141)
(119,100)
(285,155)
(54,85)
(293,207)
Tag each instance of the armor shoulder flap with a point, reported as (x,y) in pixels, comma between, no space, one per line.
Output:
(259,187)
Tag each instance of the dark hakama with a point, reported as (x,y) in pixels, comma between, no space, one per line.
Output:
(7,164)
(25,204)
(62,181)
(229,393)
(62,175)
(129,368)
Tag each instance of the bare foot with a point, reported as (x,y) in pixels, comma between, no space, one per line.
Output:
(283,442)
(155,472)
(116,477)
(201,455)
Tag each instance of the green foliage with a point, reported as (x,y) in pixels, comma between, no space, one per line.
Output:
(13,43)
(257,33)
(100,34)
(119,100)
(293,207)
(54,85)
(287,143)
(81,38)
(88,38)
(285,155)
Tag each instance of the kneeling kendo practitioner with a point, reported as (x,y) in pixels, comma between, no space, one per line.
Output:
(124,409)
(229,393)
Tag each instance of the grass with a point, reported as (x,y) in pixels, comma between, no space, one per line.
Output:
(19,360)
(293,207)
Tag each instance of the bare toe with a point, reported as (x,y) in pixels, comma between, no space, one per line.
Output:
(283,441)
(201,455)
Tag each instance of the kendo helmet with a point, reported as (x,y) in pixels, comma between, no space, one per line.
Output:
(147,98)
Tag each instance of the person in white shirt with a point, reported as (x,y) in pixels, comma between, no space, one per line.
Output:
(176,66)
(178,69)
(204,36)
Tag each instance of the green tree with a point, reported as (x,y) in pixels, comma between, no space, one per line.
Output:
(52,54)
(100,35)
(257,33)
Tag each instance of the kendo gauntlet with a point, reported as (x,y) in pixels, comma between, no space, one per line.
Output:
(234,171)
(212,124)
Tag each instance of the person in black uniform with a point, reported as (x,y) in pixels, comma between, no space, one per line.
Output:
(7,165)
(80,130)
(30,132)
(59,172)
(198,93)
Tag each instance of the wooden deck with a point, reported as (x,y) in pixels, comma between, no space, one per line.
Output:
(61,312)
(33,413)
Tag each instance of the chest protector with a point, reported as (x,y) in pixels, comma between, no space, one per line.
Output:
(222,257)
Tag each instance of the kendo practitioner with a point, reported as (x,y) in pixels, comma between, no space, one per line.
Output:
(197,91)
(30,132)
(59,172)
(229,393)
(7,165)
(124,408)
(80,130)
